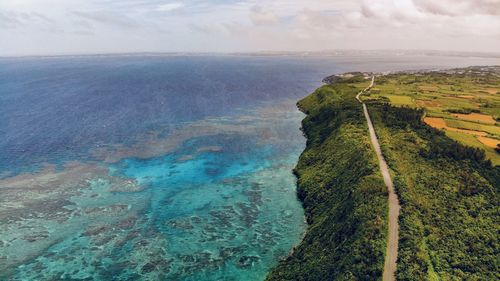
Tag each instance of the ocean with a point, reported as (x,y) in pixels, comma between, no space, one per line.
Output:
(158,167)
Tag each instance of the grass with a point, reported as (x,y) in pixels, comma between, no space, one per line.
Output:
(441,93)
(491,129)
(400,100)
(472,141)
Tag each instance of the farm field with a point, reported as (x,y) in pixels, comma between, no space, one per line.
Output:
(446,186)
(465,103)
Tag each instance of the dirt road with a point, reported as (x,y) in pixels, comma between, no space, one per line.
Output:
(392,239)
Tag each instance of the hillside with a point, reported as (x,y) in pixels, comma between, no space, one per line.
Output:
(343,193)
(448,190)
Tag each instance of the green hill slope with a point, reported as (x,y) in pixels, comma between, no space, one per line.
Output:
(449,200)
(449,220)
(343,194)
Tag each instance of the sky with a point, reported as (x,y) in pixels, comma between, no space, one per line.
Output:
(51,27)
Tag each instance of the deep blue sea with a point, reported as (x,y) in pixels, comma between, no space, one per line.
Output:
(157,167)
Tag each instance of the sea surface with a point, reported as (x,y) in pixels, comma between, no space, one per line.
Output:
(158,167)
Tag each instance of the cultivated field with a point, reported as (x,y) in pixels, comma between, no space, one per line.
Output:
(465,103)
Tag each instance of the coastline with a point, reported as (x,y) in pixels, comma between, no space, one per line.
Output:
(430,170)
(337,196)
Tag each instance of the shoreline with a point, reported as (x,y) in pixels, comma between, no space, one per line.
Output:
(330,116)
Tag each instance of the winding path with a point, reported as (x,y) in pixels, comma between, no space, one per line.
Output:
(392,240)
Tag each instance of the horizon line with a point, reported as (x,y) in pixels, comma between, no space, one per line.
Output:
(332,52)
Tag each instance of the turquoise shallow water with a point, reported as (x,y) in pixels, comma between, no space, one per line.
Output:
(216,206)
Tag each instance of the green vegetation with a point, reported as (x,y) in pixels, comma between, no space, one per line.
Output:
(445,180)
(449,200)
(463,110)
(445,94)
(343,193)
(400,100)
(493,130)
(470,140)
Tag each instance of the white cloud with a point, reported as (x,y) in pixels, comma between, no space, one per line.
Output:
(459,7)
(261,16)
(247,25)
(168,7)
(110,18)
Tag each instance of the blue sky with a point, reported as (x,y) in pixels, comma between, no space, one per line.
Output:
(31,27)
